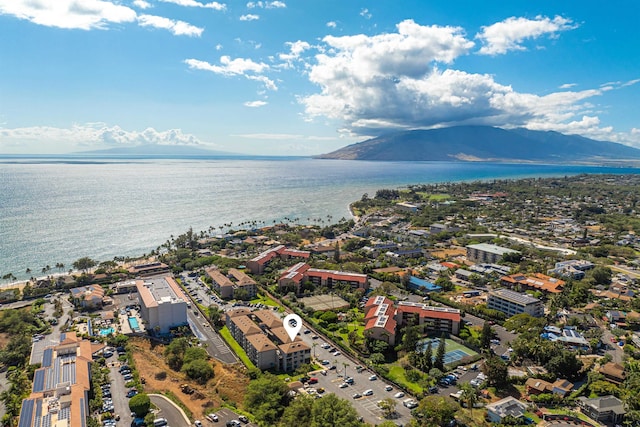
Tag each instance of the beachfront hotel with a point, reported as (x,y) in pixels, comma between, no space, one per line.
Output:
(162,304)
(60,393)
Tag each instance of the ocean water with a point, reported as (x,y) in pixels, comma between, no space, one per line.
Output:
(58,210)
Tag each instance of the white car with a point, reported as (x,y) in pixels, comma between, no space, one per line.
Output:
(398,395)
(388,388)
(367,392)
(197,423)
(343,385)
(373,377)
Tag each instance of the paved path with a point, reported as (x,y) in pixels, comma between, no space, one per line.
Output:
(167,409)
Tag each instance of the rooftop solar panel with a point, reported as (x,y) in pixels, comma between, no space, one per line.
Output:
(38,381)
(47,357)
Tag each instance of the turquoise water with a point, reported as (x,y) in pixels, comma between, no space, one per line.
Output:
(57,211)
(107,331)
(133,322)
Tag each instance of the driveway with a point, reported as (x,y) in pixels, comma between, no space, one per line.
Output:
(167,409)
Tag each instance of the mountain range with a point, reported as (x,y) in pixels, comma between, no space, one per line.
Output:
(155,150)
(485,143)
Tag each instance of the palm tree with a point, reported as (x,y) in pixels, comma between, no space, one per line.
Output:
(345,364)
(468,395)
(314,345)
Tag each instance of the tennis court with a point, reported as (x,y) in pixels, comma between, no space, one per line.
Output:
(454,351)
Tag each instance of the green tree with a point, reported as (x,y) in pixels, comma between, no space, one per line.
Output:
(140,404)
(195,353)
(440,352)
(435,410)
(565,365)
(496,371)
(410,338)
(469,395)
(199,370)
(266,398)
(84,264)
(486,336)
(388,407)
(333,411)
(174,353)
(601,275)
(298,413)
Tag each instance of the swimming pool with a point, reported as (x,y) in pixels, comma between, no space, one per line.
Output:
(107,331)
(133,322)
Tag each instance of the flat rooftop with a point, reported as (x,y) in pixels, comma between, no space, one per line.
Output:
(159,290)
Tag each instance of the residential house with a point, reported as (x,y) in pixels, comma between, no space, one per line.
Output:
(88,297)
(604,409)
(613,372)
(561,387)
(574,268)
(497,411)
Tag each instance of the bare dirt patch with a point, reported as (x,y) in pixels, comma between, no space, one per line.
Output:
(4,339)
(229,383)
(448,253)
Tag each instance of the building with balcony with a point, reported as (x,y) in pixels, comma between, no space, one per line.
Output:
(162,304)
(512,303)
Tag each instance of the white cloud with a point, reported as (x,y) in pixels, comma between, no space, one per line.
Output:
(235,67)
(508,35)
(295,50)
(249,17)
(332,24)
(142,4)
(178,28)
(96,135)
(69,14)
(218,46)
(365,14)
(372,84)
(255,104)
(266,4)
(192,3)
(567,86)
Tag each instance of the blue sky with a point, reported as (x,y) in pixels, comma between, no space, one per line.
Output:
(302,77)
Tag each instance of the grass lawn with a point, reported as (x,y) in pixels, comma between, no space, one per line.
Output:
(226,335)
(396,374)
(261,299)
(345,336)
(533,416)
(578,414)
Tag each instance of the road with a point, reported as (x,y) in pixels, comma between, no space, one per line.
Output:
(167,409)
(118,392)
(201,327)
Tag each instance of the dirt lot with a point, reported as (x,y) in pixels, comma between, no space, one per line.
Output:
(447,253)
(229,382)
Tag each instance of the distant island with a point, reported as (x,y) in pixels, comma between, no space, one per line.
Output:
(484,144)
(155,150)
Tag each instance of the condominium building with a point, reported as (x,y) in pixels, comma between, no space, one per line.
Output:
(257,264)
(61,386)
(162,304)
(512,303)
(266,342)
(486,253)
(295,275)
(432,319)
(149,269)
(241,287)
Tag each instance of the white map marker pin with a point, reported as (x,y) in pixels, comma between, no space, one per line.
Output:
(292,324)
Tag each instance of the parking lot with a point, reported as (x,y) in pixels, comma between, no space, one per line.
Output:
(225,415)
(365,405)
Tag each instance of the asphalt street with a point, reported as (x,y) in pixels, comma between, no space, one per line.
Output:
(166,409)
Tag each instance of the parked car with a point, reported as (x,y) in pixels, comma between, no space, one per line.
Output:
(357,396)
(388,388)
(127,377)
(131,393)
(373,377)
(368,392)
(243,419)
(213,417)
(398,395)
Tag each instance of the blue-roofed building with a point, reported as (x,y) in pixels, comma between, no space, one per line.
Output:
(60,392)
(416,283)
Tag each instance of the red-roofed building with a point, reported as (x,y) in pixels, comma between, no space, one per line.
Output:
(256,265)
(432,319)
(300,272)
(535,282)
(382,328)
